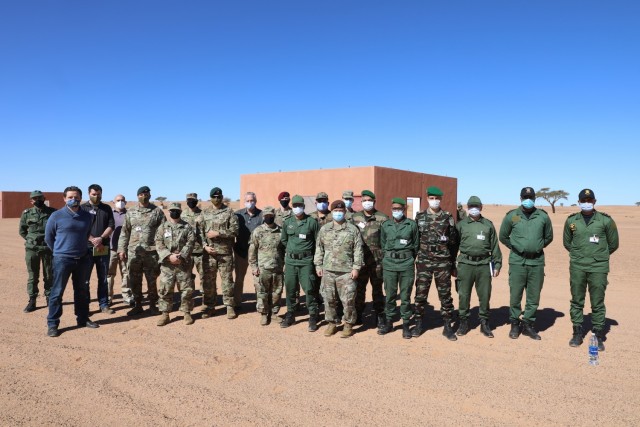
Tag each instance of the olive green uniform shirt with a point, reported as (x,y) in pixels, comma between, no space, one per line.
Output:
(399,242)
(590,245)
(526,237)
(299,238)
(478,242)
(33,222)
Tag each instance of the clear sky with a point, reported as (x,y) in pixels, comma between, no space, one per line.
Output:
(186,95)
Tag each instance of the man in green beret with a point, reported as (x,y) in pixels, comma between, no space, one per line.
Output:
(526,231)
(33,222)
(479,260)
(399,240)
(369,222)
(591,237)
(436,260)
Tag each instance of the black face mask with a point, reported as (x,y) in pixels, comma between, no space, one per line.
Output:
(192,203)
(269,219)
(284,203)
(174,214)
(39,203)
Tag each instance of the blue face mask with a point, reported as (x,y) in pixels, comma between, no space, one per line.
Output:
(322,206)
(397,214)
(586,207)
(338,216)
(73,203)
(528,203)
(348,203)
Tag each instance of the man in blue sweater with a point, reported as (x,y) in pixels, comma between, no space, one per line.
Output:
(67,234)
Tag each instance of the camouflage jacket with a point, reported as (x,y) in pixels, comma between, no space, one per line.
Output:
(282,215)
(439,239)
(139,228)
(369,226)
(339,248)
(33,222)
(265,248)
(222,220)
(175,238)
(321,218)
(191,218)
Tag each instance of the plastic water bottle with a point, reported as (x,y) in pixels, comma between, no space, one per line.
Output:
(593,350)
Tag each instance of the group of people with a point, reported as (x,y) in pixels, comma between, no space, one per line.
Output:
(332,253)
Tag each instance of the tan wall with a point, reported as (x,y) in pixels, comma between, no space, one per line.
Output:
(12,203)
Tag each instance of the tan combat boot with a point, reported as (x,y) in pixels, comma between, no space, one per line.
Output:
(231,312)
(347,331)
(331,329)
(264,319)
(164,319)
(188,320)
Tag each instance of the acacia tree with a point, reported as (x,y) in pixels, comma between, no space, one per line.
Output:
(552,196)
(161,199)
(637,203)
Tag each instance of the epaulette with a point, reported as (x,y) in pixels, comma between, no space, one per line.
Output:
(542,210)
(26,210)
(574,214)
(605,214)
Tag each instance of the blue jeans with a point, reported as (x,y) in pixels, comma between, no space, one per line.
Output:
(102,269)
(63,268)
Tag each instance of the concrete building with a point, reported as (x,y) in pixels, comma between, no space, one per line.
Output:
(12,203)
(386,183)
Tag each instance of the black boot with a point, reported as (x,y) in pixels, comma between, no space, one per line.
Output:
(463,328)
(529,331)
(406,332)
(448,330)
(417,330)
(47,298)
(515,331)
(31,305)
(381,321)
(289,319)
(486,329)
(313,323)
(600,337)
(358,318)
(576,339)
(388,327)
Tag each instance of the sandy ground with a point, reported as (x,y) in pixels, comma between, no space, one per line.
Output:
(235,372)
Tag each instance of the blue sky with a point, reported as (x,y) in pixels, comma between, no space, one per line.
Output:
(184,96)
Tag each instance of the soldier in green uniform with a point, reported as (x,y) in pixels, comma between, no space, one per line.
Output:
(460,212)
(175,240)
(590,237)
(298,236)
(190,216)
(266,258)
(436,261)
(32,225)
(322,214)
(399,240)
(369,222)
(338,260)
(218,226)
(480,259)
(526,231)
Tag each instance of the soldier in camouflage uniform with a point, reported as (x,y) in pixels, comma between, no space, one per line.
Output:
(218,226)
(322,214)
(338,260)
(175,240)
(436,260)
(138,247)
(347,198)
(284,211)
(460,212)
(266,258)
(369,222)
(32,225)
(190,216)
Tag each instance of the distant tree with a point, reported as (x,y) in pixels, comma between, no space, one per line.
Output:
(637,203)
(552,196)
(161,199)
(226,200)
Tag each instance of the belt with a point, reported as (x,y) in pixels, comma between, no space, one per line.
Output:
(396,255)
(200,254)
(302,255)
(528,255)
(475,258)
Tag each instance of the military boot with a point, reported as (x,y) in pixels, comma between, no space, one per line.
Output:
(448,330)
(358,319)
(231,312)
(31,305)
(515,331)
(406,332)
(486,329)
(381,321)
(164,319)
(386,328)
(347,331)
(207,312)
(600,336)
(463,328)
(576,339)
(331,329)
(418,329)
(529,331)
(136,310)
(153,310)
(264,319)
(188,320)
(313,323)
(289,319)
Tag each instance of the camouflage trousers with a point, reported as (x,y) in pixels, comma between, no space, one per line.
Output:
(211,266)
(268,291)
(114,263)
(338,287)
(170,276)
(426,272)
(197,263)
(370,272)
(33,259)
(143,262)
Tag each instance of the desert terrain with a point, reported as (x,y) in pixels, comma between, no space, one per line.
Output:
(235,372)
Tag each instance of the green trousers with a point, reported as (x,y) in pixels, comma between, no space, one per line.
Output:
(306,276)
(468,275)
(597,285)
(33,259)
(393,280)
(521,278)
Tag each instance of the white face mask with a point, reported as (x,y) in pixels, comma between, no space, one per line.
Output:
(120,205)
(586,207)
(397,214)
(434,204)
(367,205)
(249,205)
(297,210)
(474,212)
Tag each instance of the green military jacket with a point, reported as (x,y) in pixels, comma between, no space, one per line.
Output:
(299,239)
(339,248)
(439,238)
(526,237)
(369,226)
(282,215)
(399,242)
(139,228)
(175,238)
(33,221)
(265,248)
(191,218)
(478,242)
(590,245)
(224,221)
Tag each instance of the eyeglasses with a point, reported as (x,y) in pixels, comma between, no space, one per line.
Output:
(216,197)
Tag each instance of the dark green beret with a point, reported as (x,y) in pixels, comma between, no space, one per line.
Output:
(368,193)
(399,200)
(143,189)
(297,199)
(434,191)
(215,191)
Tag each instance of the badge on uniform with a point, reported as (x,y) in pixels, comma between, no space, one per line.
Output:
(480,236)
(594,239)
(302,236)
(362,225)
(138,229)
(421,223)
(92,212)
(403,241)
(167,233)
(443,238)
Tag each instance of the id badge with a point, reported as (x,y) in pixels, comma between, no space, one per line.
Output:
(480,237)
(167,233)
(444,238)
(594,239)
(361,225)
(403,241)
(302,236)
(138,229)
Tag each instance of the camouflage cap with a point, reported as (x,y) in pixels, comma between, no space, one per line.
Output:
(297,199)
(36,193)
(399,200)
(143,189)
(474,201)
(338,204)
(175,206)
(459,204)
(348,194)
(192,196)
(268,210)
(322,195)
(368,193)
(215,191)
(587,193)
(434,191)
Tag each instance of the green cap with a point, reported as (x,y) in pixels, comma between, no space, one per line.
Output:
(215,191)
(143,189)
(434,191)
(297,199)
(399,200)
(268,210)
(175,206)
(474,201)
(36,193)
(368,193)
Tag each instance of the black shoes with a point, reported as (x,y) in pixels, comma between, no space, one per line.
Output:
(136,310)
(600,337)
(289,319)
(486,329)
(529,331)
(31,306)
(418,329)
(381,321)
(448,331)
(313,323)
(576,339)
(89,324)
(406,332)
(53,332)
(386,328)
(515,331)
(463,328)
